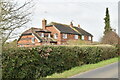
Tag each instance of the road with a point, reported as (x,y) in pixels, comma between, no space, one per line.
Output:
(109,71)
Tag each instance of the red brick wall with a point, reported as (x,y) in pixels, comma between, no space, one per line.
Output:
(86,38)
(60,39)
(29,41)
(69,37)
(53,31)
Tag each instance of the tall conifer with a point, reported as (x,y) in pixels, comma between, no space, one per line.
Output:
(107,22)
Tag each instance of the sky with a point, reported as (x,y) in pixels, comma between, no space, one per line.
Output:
(89,14)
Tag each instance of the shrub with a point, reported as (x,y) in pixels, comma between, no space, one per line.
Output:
(110,37)
(43,61)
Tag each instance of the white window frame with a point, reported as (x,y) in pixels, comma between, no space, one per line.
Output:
(49,35)
(89,38)
(64,36)
(33,39)
(42,34)
(55,36)
(82,37)
(36,38)
(76,36)
(21,45)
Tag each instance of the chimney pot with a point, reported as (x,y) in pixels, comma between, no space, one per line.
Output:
(79,25)
(71,24)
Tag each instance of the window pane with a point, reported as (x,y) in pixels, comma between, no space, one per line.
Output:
(89,37)
(76,36)
(55,36)
(82,37)
(49,36)
(42,34)
(33,40)
(64,36)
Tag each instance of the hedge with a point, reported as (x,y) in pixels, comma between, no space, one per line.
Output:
(27,63)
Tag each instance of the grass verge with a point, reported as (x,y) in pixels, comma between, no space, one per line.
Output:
(83,68)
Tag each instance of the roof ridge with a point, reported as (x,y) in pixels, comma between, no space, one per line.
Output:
(54,23)
(75,30)
(84,32)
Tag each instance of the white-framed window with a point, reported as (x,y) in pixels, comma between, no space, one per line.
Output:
(49,36)
(55,36)
(76,36)
(82,37)
(64,36)
(89,37)
(21,45)
(33,40)
(42,34)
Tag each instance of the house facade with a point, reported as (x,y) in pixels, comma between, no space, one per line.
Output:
(53,34)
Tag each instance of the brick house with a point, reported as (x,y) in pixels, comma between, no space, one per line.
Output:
(53,33)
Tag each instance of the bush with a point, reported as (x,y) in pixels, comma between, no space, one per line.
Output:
(27,63)
(110,37)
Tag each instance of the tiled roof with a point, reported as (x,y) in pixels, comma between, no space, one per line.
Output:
(34,31)
(83,32)
(31,30)
(64,28)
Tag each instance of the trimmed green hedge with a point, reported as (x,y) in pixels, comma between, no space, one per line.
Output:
(27,63)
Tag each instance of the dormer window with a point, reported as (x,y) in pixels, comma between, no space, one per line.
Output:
(42,34)
(55,36)
(33,40)
(64,36)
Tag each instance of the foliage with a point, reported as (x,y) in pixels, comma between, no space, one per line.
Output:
(28,63)
(110,37)
(107,22)
(83,68)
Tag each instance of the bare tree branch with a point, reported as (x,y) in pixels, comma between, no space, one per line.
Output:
(13,17)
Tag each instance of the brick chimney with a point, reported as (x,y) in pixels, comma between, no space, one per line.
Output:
(78,25)
(71,24)
(44,22)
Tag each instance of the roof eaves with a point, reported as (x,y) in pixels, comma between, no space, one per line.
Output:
(37,37)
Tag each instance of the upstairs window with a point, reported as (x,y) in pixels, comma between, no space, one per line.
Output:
(64,36)
(82,37)
(33,40)
(55,36)
(76,36)
(49,36)
(42,34)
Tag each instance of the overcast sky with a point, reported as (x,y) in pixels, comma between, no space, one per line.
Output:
(88,13)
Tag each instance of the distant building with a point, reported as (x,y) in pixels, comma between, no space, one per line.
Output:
(53,33)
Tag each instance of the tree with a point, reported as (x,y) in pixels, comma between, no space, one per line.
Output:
(110,37)
(13,16)
(107,22)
